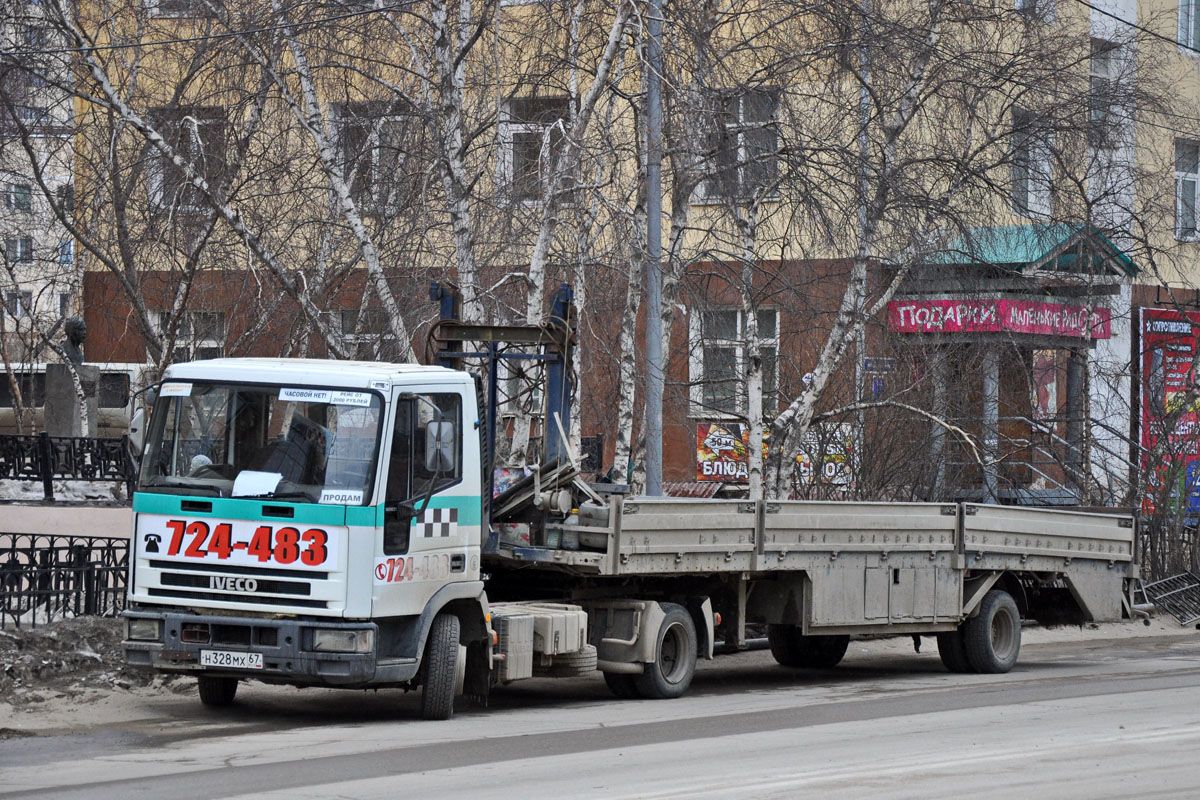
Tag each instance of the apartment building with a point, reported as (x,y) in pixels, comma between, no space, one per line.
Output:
(301,205)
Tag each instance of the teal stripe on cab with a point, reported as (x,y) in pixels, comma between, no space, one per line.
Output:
(470,509)
(237,508)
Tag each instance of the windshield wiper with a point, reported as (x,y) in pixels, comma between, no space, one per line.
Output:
(166,483)
(291,495)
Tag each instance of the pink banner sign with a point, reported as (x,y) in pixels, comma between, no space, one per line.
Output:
(1000,315)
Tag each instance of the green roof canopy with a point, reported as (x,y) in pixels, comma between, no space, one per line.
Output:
(1060,247)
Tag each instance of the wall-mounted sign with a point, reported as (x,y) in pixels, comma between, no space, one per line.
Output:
(1000,315)
(1170,424)
(722,452)
(826,455)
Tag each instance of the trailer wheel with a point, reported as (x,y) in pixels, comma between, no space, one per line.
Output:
(216,692)
(675,657)
(993,638)
(793,649)
(952,649)
(621,685)
(441,668)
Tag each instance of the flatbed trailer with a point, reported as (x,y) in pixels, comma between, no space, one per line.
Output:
(827,569)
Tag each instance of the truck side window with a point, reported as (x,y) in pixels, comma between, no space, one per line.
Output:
(410,479)
(399,482)
(440,408)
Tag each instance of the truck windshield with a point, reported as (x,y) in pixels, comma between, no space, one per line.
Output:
(291,443)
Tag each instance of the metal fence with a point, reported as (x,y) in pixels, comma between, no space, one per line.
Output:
(46,458)
(44,578)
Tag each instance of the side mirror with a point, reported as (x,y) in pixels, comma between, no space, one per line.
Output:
(439,447)
(137,429)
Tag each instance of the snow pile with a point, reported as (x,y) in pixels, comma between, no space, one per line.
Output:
(69,658)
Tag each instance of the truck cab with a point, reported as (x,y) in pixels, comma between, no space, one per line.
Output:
(305,522)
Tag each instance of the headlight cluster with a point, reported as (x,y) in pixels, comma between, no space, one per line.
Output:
(142,630)
(327,640)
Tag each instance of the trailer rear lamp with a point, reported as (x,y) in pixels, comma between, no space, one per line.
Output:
(717,618)
(142,630)
(326,640)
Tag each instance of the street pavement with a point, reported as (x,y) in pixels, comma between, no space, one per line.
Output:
(1083,715)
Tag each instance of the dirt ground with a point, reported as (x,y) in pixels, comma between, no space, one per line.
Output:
(70,674)
(67,663)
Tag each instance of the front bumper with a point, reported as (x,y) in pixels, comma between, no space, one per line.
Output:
(285,645)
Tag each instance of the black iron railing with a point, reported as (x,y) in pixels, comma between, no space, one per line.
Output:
(46,458)
(44,578)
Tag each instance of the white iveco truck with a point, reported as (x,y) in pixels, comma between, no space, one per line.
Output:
(333,523)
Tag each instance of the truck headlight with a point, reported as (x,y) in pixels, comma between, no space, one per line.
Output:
(145,630)
(327,640)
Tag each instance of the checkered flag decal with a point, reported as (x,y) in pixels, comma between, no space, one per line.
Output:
(439,522)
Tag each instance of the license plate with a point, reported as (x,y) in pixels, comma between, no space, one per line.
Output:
(226,658)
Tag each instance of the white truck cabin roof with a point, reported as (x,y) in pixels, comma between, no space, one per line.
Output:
(315,372)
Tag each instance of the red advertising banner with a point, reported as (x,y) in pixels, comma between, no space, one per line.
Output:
(1168,351)
(1000,314)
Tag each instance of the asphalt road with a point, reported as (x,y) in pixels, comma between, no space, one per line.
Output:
(1077,719)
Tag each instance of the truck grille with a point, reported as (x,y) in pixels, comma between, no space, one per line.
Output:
(226,598)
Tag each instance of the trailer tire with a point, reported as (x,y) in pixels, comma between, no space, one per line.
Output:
(621,685)
(791,648)
(441,668)
(216,692)
(952,649)
(674,663)
(993,637)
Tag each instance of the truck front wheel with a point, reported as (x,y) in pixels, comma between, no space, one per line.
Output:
(216,692)
(441,668)
(792,649)
(675,657)
(993,637)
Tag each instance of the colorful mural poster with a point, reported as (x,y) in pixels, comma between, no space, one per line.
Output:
(825,454)
(722,450)
(1170,436)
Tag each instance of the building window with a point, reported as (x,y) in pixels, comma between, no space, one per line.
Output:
(18,304)
(186,9)
(66,251)
(367,335)
(1032,166)
(18,197)
(1102,114)
(1187,179)
(718,360)
(32,386)
(19,249)
(197,135)
(1189,23)
(530,133)
(113,390)
(1036,9)
(64,304)
(201,334)
(65,196)
(746,158)
(377,145)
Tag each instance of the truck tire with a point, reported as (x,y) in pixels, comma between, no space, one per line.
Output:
(993,637)
(674,657)
(792,649)
(953,651)
(621,685)
(216,692)
(441,668)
